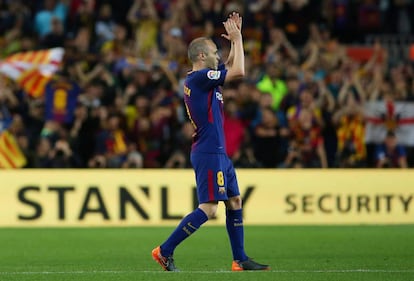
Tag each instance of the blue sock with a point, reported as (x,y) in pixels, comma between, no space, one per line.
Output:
(187,226)
(235,230)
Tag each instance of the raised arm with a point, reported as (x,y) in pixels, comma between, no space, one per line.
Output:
(238,20)
(235,66)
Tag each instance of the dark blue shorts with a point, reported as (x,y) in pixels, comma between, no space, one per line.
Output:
(215,177)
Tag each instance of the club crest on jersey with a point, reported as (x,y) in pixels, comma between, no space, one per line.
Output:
(222,190)
(213,74)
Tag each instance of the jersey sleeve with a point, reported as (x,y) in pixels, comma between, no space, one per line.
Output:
(221,67)
(209,78)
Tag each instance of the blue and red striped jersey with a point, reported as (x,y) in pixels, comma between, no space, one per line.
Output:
(204,103)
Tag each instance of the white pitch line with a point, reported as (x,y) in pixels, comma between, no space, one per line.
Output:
(80,272)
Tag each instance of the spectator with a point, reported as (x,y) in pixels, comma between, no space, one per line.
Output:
(268,139)
(294,17)
(279,47)
(144,20)
(391,154)
(351,125)
(306,102)
(120,45)
(15,23)
(234,129)
(326,102)
(62,156)
(82,15)
(43,18)
(105,25)
(111,142)
(83,132)
(134,158)
(56,36)
(291,99)
(306,146)
(41,158)
(272,83)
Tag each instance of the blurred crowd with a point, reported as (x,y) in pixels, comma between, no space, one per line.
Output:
(300,106)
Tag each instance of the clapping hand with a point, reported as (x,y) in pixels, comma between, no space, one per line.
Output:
(233,26)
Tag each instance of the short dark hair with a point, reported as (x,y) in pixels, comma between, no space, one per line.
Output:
(390,133)
(196,47)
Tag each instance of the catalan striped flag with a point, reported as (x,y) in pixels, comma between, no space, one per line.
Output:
(33,69)
(10,154)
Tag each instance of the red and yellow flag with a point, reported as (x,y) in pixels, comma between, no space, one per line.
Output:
(33,69)
(11,156)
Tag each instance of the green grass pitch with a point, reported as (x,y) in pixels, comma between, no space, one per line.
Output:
(294,253)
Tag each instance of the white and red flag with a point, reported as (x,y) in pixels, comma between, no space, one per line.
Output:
(383,116)
(32,69)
